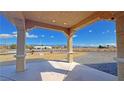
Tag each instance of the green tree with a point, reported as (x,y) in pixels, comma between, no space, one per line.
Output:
(29,47)
(13,46)
(100,46)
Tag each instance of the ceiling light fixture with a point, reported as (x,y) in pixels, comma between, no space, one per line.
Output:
(53,21)
(64,23)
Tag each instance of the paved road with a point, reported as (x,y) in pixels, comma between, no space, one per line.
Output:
(97,57)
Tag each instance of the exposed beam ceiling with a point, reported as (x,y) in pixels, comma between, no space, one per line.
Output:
(30,24)
(90,19)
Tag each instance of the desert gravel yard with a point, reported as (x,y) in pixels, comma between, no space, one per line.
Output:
(102,61)
(96,57)
(42,55)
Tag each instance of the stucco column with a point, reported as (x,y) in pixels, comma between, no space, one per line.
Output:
(70,48)
(120,46)
(20,54)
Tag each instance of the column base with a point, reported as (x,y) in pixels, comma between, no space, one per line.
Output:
(121,71)
(20,63)
(70,57)
(120,68)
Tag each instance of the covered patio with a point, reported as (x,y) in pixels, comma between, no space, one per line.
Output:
(67,23)
(53,71)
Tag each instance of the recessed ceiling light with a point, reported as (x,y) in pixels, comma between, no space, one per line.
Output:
(39,17)
(64,23)
(53,21)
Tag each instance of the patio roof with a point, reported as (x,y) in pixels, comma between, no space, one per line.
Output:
(62,19)
(59,20)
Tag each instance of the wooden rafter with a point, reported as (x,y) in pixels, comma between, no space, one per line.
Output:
(86,21)
(106,15)
(92,18)
(118,14)
(31,23)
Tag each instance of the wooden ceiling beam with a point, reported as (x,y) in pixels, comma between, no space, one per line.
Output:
(118,14)
(106,15)
(92,18)
(31,23)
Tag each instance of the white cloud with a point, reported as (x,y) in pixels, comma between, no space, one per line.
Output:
(42,35)
(51,36)
(14,34)
(93,45)
(112,44)
(27,35)
(74,36)
(31,35)
(108,31)
(103,32)
(86,45)
(90,31)
(6,36)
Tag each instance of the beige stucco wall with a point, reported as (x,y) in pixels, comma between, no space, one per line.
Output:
(120,45)
(120,36)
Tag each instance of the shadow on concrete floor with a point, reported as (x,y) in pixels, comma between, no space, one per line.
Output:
(85,73)
(33,73)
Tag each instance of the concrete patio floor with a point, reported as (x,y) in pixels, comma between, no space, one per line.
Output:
(53,71)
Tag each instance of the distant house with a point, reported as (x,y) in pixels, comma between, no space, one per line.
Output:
(42,47)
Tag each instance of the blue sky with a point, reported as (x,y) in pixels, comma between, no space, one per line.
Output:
(101,32)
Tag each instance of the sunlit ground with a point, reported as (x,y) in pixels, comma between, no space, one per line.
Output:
(42,55)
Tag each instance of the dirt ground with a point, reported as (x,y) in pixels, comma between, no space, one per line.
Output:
(44,55)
